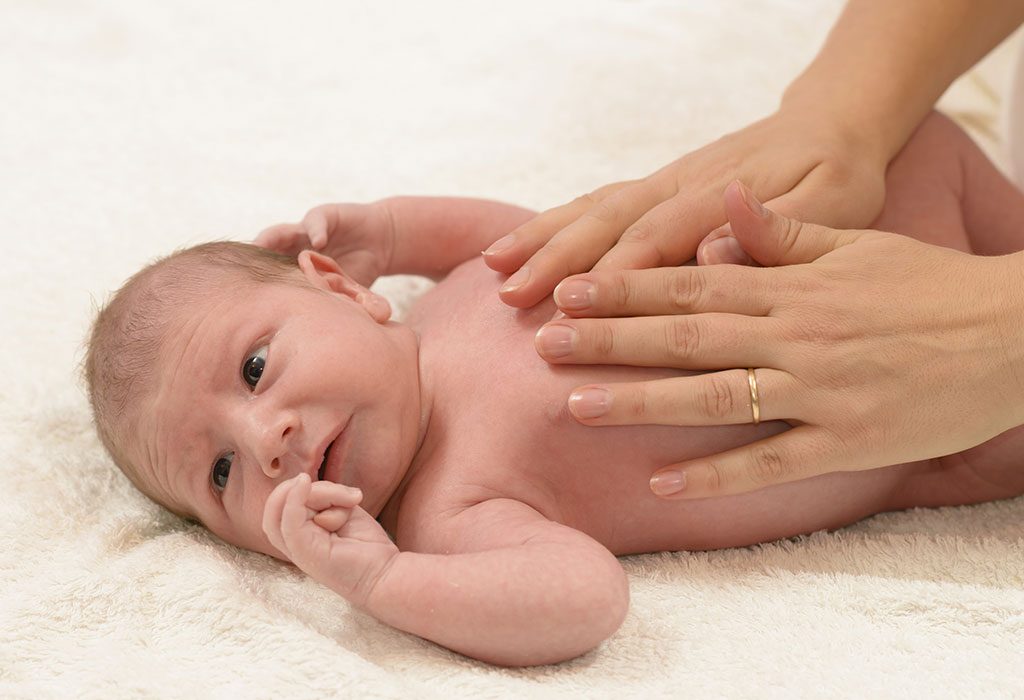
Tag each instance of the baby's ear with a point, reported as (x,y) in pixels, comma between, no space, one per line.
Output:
(324,273)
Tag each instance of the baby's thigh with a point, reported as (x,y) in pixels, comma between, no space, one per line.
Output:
(924,187)
(942,189)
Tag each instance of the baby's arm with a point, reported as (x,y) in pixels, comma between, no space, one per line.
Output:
(511,588)
(435,234)
(426,236)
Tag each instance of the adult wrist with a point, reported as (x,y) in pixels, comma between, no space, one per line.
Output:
(1012,331)
(853,129)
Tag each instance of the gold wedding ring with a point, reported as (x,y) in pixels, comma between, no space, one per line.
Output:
(755,407)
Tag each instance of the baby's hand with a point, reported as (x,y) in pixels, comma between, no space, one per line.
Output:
(360,237)
(321,529)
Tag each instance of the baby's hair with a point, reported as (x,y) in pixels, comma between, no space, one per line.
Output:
(126,337)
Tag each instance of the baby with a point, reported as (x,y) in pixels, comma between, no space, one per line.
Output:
(429,471)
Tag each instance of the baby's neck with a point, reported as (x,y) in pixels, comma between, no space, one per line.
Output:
(423,395)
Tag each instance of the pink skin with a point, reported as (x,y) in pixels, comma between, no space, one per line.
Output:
(336,363)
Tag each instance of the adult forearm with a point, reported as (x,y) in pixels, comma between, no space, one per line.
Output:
(526,605)
(1011,335)
(885,64)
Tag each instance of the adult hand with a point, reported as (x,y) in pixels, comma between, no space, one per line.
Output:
(806,166)
(877,348)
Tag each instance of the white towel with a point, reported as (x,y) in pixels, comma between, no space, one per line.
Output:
(1014,120)
(131,127)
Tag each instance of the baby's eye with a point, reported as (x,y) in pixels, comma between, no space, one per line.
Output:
(252,368)
(221,468)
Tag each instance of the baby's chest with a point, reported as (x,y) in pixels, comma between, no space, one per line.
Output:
(533,452)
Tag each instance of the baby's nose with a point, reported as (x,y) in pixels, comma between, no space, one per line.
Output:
(271,438)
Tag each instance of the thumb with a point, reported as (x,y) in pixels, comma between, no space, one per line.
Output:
(772,239)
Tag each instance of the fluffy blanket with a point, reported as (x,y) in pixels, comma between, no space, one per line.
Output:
(132,128)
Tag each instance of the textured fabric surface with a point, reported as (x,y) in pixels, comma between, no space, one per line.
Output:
(132,128)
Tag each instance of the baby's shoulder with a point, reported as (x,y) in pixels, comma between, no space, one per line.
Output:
(443,507)
(450,526)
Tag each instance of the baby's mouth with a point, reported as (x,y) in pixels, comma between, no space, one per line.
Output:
(323,464)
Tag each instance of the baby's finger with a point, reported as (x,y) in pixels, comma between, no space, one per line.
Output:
(327,494)
(316,226)
(295,514)
(272,514)
(333,519)
(279,237)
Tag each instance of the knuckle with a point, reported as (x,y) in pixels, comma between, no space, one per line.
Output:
(602,211)
(766,465)
(790,234)
(621,290)
(714,477)
(602,340)
(637,403)
(639,232)
(716,400)
(685,290)
(589,199)
(683,338)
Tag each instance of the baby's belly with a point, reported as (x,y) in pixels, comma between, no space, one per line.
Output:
(600,485)
(510,434)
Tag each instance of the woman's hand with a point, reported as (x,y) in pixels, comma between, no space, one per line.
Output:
(806,166)
(877,348)
(359,237)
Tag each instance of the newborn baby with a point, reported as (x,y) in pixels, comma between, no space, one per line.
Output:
(430,472)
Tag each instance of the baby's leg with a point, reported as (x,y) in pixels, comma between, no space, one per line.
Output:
(942,189)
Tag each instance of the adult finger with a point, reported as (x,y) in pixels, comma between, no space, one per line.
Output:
(508,254)
(815,199)
(580,244)
(796,454)
(715,398)
(773,239)
(697,341)
(667,290)
(667,234)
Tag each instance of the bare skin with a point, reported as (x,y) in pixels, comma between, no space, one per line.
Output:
(506,519)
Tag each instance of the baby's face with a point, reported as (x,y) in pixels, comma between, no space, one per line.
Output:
(257,383)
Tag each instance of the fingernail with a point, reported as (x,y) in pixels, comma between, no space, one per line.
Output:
(501,245)
(668,483)
(752,202)
(725,250)
(556,341)
(590,403)
(575,295)
(517,280)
